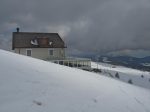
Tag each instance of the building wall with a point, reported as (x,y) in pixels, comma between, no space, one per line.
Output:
(43,53)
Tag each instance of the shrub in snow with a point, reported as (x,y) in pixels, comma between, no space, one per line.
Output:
(142,76)
(37,103)
(95,100)
(130,81)
(117,75)
(113,66)
(110,75)
(96,70)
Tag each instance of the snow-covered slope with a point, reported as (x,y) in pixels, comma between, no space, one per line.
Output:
(139,78)
(32,85)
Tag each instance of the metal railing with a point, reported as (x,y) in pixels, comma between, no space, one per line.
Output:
(82,63)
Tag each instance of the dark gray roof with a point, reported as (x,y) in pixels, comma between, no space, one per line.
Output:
(39,40)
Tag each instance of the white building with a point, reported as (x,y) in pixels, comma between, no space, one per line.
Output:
(45,46)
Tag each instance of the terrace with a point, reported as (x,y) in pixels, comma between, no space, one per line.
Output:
(81,63)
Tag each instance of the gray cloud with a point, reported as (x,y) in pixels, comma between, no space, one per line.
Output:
(85,25)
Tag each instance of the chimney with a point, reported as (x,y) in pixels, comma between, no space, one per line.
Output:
(17,29)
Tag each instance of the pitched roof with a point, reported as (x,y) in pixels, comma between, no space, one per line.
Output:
(37,40)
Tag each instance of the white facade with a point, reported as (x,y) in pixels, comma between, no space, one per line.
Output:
(42,53)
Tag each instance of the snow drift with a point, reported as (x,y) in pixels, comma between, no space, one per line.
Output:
(32,85)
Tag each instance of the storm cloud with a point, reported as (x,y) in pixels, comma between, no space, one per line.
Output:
(95,26)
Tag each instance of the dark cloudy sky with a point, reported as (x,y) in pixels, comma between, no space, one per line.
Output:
(85,25)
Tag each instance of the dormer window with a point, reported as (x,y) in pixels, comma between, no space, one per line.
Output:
(43,41)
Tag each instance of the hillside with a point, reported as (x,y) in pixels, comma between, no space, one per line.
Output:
(32,85)
(138,77)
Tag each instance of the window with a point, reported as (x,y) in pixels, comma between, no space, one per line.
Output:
(51,52)
(28,52)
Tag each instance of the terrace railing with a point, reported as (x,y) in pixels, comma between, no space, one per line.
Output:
(82,63)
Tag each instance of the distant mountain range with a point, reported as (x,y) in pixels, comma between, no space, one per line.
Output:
(128,61)
(137,59)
